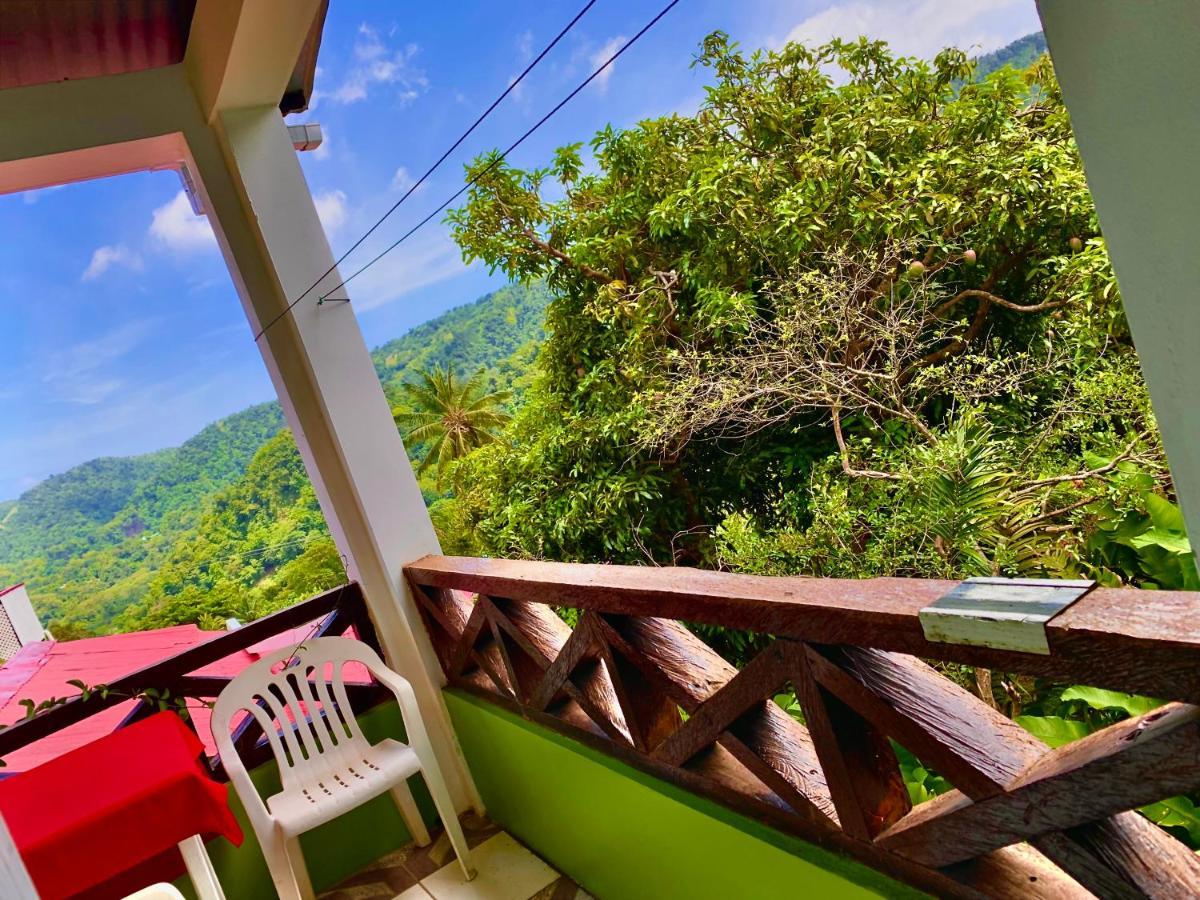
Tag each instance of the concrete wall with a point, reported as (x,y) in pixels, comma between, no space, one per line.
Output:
(621,834)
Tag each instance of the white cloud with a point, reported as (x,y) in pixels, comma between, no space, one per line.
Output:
(331,208)
(378,64)
(32,197)
(324,148)
(402,181)
(104,258)
(922,27)
(525,45)
(78,373)
(177,227)
(428,258)
(597,58)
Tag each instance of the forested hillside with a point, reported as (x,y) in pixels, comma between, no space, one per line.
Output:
(85,541)
(499,333)
(1020,54)
(230,512)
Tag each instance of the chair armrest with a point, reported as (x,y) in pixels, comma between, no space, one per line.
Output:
(414,725)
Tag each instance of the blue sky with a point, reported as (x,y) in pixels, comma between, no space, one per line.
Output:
(123,333)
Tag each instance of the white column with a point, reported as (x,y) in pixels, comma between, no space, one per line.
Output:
(260,206)
(1130,72)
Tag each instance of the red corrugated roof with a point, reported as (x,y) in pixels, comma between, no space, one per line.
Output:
(41,671)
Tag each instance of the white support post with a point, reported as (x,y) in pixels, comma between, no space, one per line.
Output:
(1129,74)
(267,224)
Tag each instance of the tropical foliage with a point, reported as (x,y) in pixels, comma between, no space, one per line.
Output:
(855,317)
(843,324)
(449,416)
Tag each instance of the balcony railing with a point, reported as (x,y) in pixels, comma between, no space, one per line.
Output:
(331,613)
(1023,820)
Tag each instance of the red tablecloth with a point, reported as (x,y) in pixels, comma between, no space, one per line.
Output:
(103,820)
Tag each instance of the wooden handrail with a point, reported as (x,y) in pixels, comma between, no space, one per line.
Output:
(333,612)
(1026,820)
(1126,639)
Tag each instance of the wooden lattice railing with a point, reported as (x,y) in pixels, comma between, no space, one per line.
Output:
(332,613)
(1024,820)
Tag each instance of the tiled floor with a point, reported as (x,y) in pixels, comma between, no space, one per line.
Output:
(506,871)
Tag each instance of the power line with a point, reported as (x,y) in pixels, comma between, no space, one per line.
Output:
(499,159)
(408,193)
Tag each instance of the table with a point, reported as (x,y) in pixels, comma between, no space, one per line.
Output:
(119,813)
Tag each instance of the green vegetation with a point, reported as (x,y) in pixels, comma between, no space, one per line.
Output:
(226,524)
(450,416)
(838,326)
(88,541)
(1020,54)
(843,326)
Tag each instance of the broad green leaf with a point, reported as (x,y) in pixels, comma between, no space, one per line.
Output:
(1164,514)
(1098,698)
(1176,812)
(1171,541)
(1054,730)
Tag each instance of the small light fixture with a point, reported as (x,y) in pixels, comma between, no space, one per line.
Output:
(306,137)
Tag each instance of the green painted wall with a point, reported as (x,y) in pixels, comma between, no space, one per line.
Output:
(333,851)
(624,835)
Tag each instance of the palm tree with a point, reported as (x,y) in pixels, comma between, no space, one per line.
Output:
(450,415)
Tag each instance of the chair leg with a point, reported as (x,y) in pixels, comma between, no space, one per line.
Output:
(286,868)
(299,869)
(403,796)
(445,807)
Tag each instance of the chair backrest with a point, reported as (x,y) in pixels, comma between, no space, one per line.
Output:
(298,696)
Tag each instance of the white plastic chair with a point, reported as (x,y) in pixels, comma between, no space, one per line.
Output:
(161,891)
(326,765)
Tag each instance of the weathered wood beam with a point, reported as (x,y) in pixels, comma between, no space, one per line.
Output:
(769,742)
(1126,765)
(979,750)
(982,752)
(759,680)
(1104,639)
(543,635)
(859,763)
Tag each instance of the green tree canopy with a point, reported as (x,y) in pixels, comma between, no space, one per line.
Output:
(774,321)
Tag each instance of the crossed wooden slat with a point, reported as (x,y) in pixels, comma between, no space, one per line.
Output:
(629,678)
(1012,787)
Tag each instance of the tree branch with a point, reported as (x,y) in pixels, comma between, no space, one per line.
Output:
(554,253)
(845,453)
(1090,473)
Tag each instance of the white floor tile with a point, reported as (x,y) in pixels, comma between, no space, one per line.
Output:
(416,892)
(507,871)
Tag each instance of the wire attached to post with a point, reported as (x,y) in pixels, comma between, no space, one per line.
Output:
(441,159)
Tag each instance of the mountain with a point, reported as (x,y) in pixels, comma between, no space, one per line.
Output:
(111,537)
(1019,54)
(499,332)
